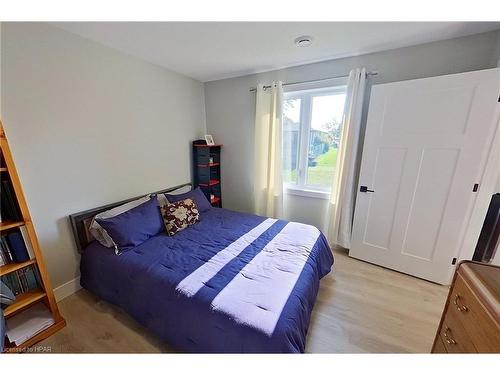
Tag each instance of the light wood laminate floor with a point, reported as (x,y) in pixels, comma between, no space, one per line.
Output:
(360,308)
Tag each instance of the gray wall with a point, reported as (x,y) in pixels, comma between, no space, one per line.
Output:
(88,126)
(496,52)
(230,106)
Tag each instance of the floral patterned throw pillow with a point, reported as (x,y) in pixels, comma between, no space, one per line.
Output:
(179,215)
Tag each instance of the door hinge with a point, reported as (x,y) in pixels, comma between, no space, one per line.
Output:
(475,188)
(454,261)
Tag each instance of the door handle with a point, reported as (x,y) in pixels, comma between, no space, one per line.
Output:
(364,189)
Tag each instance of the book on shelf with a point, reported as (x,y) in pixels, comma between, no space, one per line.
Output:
(16,247)
(27,242)
(9,207)
(23,280)
(25,325)
(6,253)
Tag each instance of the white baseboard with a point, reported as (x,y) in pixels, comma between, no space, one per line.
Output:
(67,289)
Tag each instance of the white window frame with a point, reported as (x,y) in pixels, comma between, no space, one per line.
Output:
(305,92)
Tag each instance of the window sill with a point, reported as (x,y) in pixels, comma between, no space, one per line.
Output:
(307,192)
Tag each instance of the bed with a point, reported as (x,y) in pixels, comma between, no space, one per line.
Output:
(232,283)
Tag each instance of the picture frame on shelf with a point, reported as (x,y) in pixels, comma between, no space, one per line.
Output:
(209,139)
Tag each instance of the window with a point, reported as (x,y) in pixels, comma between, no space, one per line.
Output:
(312,122)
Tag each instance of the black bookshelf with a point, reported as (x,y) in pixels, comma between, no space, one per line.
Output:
(207,170)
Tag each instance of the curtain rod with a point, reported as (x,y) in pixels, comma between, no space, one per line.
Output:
(374,73)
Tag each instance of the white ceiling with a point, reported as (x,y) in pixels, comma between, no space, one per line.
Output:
(213,50)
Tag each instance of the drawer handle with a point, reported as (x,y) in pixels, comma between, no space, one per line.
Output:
(460,307)
(447,336)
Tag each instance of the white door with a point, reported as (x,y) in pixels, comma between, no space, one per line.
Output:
(425,148)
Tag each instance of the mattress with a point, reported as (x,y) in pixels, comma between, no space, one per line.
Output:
(232,283)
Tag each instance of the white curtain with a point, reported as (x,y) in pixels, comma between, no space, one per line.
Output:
(342,199)
(268,184)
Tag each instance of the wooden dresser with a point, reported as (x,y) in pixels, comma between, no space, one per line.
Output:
(471,317)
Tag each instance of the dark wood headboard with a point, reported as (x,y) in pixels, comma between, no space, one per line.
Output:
(80,221)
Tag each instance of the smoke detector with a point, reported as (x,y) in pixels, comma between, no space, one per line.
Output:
(303,41)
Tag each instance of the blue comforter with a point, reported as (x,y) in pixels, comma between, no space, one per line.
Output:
(232,283)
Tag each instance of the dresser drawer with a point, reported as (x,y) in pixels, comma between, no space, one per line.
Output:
(439,346)
(465,309)
(454,337)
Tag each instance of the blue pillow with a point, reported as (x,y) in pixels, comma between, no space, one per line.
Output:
(134,226)
(197,195)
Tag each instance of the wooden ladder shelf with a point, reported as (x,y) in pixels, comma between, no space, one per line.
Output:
(45,293)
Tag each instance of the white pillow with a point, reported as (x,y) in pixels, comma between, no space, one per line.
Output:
(162,200)
(100,233)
